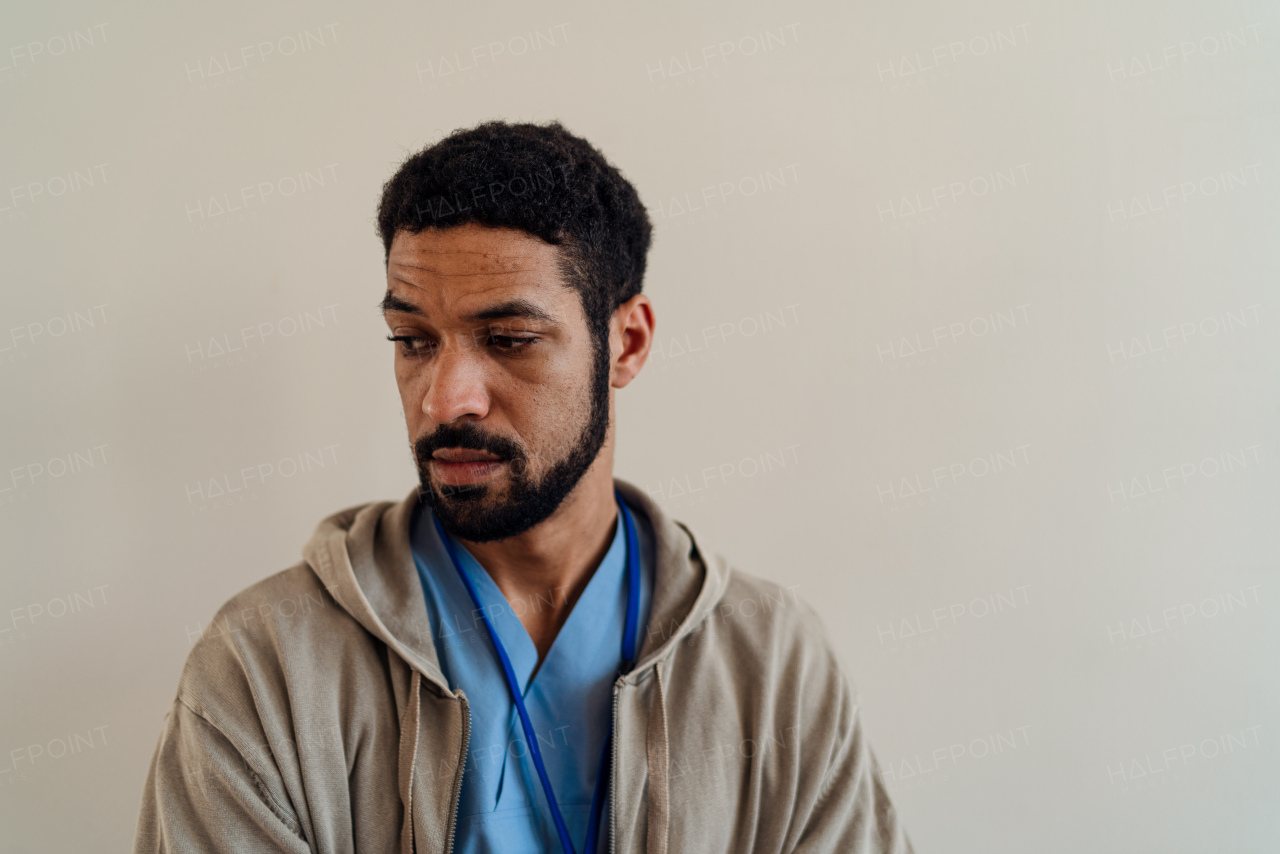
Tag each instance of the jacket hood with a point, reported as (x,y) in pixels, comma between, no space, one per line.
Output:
(363,557)
(270,721)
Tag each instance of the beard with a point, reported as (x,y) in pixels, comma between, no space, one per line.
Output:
(472,511)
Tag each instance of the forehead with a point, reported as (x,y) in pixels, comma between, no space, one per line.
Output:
(473,258)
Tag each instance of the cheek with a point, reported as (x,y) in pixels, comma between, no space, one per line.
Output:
(411,387)
(408,379)
(549,411)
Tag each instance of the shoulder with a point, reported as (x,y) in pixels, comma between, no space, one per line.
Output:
(767,619)
(287,620)
(270,610)
(756,695)
(764,644)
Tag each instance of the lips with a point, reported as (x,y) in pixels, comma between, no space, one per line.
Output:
(464,455)
(464,466)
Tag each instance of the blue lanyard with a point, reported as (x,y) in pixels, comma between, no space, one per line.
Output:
(628,659)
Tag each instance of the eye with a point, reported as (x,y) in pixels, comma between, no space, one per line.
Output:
(511,343)
(410,345)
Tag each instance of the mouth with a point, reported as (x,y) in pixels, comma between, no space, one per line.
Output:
(458,466)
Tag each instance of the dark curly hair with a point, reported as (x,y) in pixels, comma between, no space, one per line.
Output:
(542,180)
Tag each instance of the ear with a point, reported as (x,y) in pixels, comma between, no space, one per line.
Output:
(630,337)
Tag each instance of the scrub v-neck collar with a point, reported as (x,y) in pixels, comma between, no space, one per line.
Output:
(587,620)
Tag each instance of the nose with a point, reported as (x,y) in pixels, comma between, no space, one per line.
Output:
(456,388)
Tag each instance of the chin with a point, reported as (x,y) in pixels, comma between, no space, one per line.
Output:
(469,494)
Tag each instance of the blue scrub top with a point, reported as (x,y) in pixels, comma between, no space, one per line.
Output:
(502,806)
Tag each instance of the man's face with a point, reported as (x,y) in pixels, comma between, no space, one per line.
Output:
(506,401)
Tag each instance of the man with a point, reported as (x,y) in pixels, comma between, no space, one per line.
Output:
(524,654)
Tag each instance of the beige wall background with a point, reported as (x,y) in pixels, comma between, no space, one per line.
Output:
(967,323)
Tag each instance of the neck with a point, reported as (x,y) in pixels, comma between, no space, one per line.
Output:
(547,567)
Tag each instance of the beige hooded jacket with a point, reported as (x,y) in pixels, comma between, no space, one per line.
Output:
(312,715)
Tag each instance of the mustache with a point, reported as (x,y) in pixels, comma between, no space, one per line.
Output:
(467,435)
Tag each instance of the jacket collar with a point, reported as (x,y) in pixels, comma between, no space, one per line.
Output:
(363,557)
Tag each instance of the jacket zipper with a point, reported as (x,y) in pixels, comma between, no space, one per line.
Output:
(466,741)
(613,774)
(462,764)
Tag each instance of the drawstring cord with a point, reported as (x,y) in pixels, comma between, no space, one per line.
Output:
(409,759)
(658,749)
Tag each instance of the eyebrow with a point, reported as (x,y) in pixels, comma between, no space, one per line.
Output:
(391,302)
(517,307)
